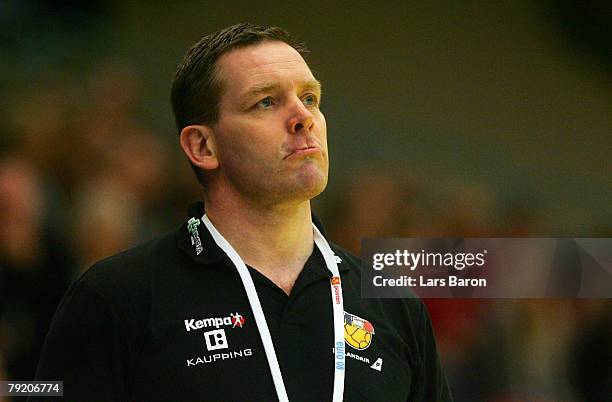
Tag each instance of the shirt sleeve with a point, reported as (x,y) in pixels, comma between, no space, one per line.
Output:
(432,385)
(86,348)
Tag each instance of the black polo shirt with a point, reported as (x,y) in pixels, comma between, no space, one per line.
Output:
(170,321)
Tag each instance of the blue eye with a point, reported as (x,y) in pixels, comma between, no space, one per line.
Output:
(265,103)
(310,100)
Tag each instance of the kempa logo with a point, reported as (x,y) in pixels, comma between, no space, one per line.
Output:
(192,228)
(232,354)
(234,320)
(215,339)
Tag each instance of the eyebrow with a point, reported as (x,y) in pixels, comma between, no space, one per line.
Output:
(313,85)
(267,87)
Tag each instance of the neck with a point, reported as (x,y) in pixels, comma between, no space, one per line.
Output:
(275,240)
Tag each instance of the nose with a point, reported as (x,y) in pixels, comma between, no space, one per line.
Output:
(301,118)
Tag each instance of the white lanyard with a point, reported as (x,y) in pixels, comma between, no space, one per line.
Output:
(260,319)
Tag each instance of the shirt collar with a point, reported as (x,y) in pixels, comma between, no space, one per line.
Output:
(197,242)
(195,239)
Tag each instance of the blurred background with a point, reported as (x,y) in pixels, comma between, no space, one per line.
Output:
(447,119)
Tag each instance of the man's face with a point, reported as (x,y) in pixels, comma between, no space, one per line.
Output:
(271,137)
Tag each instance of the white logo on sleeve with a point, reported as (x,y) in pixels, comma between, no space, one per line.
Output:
(216,339)
(377,364)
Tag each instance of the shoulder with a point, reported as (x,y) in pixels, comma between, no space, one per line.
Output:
(132,264)
(124,280)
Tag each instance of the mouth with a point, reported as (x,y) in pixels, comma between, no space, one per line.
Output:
(303,152)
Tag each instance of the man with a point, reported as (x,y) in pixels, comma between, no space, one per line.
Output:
(247,300)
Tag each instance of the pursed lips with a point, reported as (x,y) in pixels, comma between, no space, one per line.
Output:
(303,151)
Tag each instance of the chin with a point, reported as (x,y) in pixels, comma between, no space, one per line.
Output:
(302,185)
(310,187)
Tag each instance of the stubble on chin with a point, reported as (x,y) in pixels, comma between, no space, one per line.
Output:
(303,185)
(312,181)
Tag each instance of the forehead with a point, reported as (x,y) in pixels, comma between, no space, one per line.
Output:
(272,61)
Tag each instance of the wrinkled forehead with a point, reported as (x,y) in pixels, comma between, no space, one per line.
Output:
(243,68)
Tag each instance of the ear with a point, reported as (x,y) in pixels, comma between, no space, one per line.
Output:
(198,143)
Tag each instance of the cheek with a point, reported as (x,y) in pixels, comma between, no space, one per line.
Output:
(247,141)
(321,133)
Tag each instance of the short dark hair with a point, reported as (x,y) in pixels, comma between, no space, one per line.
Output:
(196,90)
